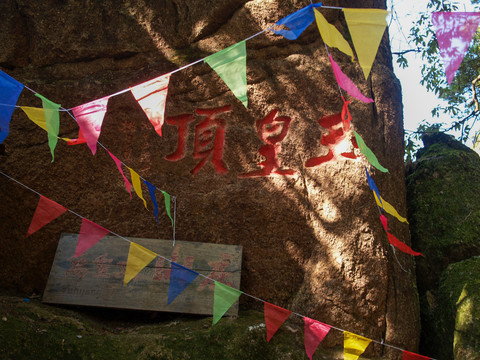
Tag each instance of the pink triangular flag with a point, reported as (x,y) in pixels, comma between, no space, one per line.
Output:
(152,96)
(315,332)
(346,84)
(46,211)
(90,234)
(275,316)
(90,118)
(454,32)
(119,167)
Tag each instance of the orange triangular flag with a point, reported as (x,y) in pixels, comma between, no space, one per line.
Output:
(138,258)
(275,316)
(152,96)
(366,27)
(47,210)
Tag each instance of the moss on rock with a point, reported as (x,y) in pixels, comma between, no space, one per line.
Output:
(444,215)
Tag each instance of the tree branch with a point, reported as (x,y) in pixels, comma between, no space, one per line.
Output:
(407,51)
(474,91)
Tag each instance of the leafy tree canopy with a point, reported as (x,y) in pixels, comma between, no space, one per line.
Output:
(460,99)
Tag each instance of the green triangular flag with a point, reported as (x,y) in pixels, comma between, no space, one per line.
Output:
(223,299)
(372,159)
(167,204)
(52,119)
(231,65)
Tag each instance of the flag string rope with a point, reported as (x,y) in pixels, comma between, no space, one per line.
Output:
(202,275)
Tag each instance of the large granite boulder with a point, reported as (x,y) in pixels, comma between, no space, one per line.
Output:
(312,240)
(444,214)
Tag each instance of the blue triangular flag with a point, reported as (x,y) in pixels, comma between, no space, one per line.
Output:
(297,22)
(151,190)
(372,186)
(180,278)
(10,90)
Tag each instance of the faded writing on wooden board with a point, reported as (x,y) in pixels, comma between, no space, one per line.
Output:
(96,277)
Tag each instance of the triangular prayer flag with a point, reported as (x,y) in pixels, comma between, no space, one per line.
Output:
(231,65)
(296,22)
(89,117)
(372,159)
(400,245)
(138,258)
(90,234)
(383,219)
(346,116)
(346,84)
(10,90)
(412,356)
(354,345)
(180,278)
(119,167)
(37,115)
(151,191)
(52,121)
(46,211)
(389,208)
(331,36)
(223,298)
(315,332)
(366,27)
(275,316)
(454,32)
(137,186)
(79,140)
(152,96)
(372,185)
(167,204)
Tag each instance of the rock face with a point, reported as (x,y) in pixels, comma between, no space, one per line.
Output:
(443,211)
(311,237)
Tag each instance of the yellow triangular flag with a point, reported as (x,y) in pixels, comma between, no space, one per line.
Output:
(389,208)
(331,36)
(366,27)
(354,345)
(37,115)
(138,258)
(137,185)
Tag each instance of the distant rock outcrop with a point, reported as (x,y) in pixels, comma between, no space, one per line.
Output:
(444,214)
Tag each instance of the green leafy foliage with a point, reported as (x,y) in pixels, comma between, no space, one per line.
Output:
(457,99)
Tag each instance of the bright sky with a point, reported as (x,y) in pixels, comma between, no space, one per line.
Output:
(417,102)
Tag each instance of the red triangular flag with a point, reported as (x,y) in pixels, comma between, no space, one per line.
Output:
(454,32)
(90,234)
(79,140)
(152,96)
(89,117)
(412,356)
(315,332)
(47,210)
(274,318)
(402,246)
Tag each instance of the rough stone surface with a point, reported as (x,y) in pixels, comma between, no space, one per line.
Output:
(312,241)
(444,215)
(457,311)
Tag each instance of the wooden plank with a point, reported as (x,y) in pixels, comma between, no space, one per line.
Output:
(96,277)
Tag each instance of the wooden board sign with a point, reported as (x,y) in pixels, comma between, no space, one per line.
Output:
(96,277)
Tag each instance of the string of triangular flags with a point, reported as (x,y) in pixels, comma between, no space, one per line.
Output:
(47,118)
(180,277)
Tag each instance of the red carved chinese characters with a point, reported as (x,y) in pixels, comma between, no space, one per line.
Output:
(333,140)
(182,122)
(102,263)
(78,268)
(272,130)
(218,273)
(209,138)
